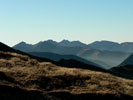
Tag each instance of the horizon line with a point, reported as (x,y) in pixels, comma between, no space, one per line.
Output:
(73,41)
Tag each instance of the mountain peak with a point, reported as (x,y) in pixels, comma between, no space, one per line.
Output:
(106,45)
(22,43)
(65,41)
(51,41)
(105,42)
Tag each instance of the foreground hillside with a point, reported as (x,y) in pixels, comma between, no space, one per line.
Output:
(22,78)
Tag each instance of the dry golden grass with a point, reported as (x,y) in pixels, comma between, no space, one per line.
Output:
(46,77)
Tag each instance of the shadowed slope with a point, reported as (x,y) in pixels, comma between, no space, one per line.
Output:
(46,81)
(128,61)
(58,57)
(125,69)
(6,48)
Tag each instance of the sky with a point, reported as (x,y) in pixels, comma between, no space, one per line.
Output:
(85,20)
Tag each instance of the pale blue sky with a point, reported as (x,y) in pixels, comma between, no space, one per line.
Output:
(85,20)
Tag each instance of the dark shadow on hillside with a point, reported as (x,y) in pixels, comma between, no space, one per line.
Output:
(77,64)
(14,93)
(89,96)
(123,71)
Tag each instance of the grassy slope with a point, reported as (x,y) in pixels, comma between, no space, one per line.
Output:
(31,79)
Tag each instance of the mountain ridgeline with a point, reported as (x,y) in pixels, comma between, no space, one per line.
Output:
(98,45)
(105,53)
(74,62)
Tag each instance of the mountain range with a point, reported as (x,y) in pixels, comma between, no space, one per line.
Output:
(70,61)
(105,53)
(74,61)
(27,77)
(113,46)
(99,45)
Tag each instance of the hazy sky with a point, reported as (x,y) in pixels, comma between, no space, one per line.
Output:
(84,20)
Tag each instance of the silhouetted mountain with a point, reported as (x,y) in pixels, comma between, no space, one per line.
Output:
(106,45)
(127,46)
(99,45)
(47,46)
(66,43)
(65,47)
(128,61)
(41,46)
(23,47)
(52,42)
(58,57)
(113,46)
(6,48)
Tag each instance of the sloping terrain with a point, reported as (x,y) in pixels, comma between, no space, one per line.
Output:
(58,57)
(23,78)
(62,62)
(128,61)
(108,57)
(125,69)
(6,48)
(102,57)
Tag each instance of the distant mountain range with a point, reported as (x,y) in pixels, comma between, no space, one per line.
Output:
(74,61)
(104,53)
(125,69)
(99,45)
(113,46)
